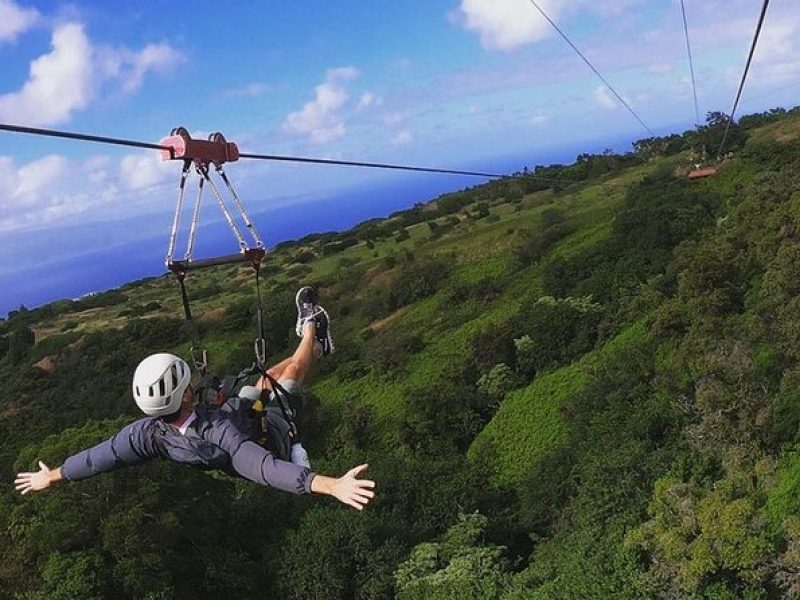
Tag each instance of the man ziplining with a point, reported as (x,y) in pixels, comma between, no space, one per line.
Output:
(179,429)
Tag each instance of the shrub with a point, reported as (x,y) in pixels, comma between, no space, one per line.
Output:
(527,356)
(492,345)
(420,278)
(20,341)
(389,351)
(560,329)
(53,344)
(498,382)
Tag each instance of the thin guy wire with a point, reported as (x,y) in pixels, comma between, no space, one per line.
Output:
(744,75)
(592,67)
(691,63)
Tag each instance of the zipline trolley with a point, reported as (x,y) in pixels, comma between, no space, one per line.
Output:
(203,154)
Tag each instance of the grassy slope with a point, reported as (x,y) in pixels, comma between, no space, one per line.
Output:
(483,250)
(529,423)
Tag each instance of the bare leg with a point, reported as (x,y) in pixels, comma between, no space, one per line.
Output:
(296,366)
(275,371)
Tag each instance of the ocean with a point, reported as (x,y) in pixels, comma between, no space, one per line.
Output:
(42,266)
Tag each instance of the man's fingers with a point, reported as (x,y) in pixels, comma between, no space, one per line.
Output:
(43,466)
(366,483)
(357,470)
(352,503)
(29,475)
(365,493)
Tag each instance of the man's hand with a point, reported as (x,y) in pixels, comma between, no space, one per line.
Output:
(347,488)
(40,480)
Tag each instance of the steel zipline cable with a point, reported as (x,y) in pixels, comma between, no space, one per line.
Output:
(691,63)
(744,75)
(270,157)
(368,165)
(593,68)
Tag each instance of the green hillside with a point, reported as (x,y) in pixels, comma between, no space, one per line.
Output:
(579,383)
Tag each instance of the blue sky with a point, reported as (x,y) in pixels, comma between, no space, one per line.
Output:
(456,83)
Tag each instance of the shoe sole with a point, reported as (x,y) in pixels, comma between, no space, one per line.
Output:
(328,337)
(300,291)
(298,328)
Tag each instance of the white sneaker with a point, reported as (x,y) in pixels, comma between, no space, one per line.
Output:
(300,456)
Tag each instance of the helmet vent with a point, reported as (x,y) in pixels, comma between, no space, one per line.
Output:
(151,391)
(174,376)
(138,393)
(161,387)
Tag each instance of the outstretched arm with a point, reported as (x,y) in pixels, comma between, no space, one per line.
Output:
(132,445)
(39,480)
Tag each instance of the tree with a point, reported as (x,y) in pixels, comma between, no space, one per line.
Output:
(461,566)
(711,134)
(20,341)
(498,382)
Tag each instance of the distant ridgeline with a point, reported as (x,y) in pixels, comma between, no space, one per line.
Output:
(583,382)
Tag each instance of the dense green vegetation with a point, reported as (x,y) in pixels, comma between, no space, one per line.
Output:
(584,383)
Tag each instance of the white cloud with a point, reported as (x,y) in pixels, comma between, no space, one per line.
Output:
(37,177)
(402,138)
(143,171)
(36,193)
(661,68)
(777,58)
(55,189)
(402,64)
(67,78)
(157,58)
(59,82)
(604,99)
(508,24)
(394,119)
(250,90)
(321,120)
(128,68)
(367,100)
(15,20)
(541,119)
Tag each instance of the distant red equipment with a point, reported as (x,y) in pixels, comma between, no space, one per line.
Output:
(702,173)
(182,146)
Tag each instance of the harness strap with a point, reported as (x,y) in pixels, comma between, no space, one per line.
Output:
(187,309)
(281,394)
(261,341)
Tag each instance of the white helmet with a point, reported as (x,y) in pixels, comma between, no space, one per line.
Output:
(159,383)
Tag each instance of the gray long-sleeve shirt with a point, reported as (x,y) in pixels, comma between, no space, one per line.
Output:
(222,439)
